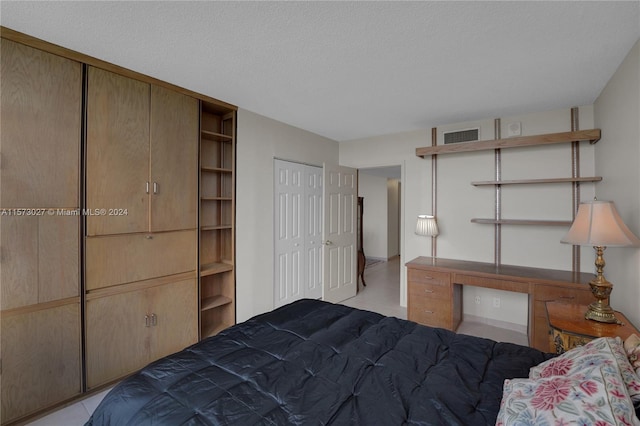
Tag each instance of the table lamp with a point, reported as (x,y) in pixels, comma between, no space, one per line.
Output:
(426,226)
(598,224)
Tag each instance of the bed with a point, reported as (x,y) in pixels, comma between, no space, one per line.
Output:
(317,363)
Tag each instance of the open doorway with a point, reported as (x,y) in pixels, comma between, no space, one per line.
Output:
(381,189)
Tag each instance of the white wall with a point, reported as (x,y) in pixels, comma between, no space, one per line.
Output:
(617,113)
(259,141)
(391,150)
(374,220)
(393,217)
(458,201)
(617,157)
(535,246)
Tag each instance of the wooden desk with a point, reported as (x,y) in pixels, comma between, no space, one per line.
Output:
(569,328)
(434,291)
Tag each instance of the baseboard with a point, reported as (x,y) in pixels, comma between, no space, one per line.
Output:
(496,323)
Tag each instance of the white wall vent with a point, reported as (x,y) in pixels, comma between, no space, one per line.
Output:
(466,135)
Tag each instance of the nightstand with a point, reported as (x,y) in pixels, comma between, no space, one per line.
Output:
(568,328)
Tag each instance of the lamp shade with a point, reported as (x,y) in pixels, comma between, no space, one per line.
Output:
(598,223)
(426,226)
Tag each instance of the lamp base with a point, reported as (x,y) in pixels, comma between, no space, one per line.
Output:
(600,312)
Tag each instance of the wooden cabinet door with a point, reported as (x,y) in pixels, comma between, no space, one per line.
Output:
(126,331)
(117,337)
(40,259)
(41,99)
(174,160)
(175,307)
(117,152)
(41,115)
(40,353)
(120,259)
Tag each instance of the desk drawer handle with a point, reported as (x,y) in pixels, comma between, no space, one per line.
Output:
(427,277)
(426,290)
(429,312)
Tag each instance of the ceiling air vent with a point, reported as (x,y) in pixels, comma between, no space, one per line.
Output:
(466,135)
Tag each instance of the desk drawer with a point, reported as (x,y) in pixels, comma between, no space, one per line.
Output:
(547,293)
(431,312)
(538,319)
(429,290)
(506,285)
(430,277)
(576,294)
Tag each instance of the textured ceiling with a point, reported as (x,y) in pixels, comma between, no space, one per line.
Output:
(348,70)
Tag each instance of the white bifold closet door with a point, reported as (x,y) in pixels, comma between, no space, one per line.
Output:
(298,232)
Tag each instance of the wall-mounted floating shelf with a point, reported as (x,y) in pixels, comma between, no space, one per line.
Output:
(572,138)
(522,222)
(592,136)
(529,181)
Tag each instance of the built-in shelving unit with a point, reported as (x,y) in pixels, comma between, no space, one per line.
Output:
(217,219)
(537,181)
(592,136)
(521,222)
(526,182)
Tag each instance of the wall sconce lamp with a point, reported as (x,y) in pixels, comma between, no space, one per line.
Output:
(598,224)
(426,226)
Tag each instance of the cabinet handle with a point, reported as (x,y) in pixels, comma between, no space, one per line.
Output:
(147,188)
(146,321)
(155,187)
(154,320)
(427,277)
(426,290)
(149,237)
(428,312)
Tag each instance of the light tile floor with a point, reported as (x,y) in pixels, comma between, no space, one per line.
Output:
(382,295)
(74,415)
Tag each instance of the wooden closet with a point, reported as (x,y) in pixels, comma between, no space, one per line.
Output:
(141,246)
(41,96)
(117,222)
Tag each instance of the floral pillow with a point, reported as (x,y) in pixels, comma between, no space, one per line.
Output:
(632,347)
(598,398)
(605,351)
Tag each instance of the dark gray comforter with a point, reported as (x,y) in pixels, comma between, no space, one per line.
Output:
(316,363)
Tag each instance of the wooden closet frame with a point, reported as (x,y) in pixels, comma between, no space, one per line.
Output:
(86,61)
